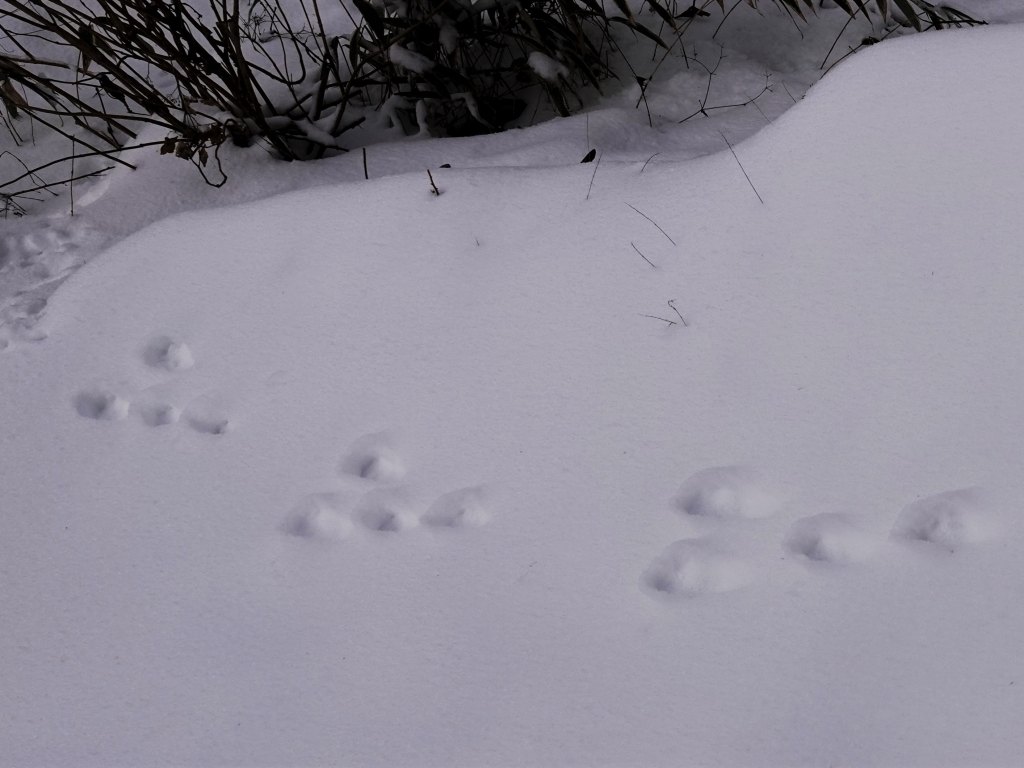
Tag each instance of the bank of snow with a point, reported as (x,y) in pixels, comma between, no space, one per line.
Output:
(418,498)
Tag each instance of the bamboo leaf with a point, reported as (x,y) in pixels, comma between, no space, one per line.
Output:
(908,10)
(794,6)
(11,98)
(662,13)
(623,6)
(372,17)
(638,27)
(863,8)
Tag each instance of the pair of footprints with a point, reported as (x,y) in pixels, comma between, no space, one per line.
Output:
(949,520)
(384,508)
(166,354)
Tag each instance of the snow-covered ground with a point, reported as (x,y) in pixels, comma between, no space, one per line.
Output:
(629,463)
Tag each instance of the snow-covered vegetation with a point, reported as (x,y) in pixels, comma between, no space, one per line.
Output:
(703,452)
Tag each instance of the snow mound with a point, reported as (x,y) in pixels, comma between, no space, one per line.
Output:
(546,67)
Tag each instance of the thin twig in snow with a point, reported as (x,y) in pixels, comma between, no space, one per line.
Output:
(596,166)
(642,256)
(649,160)
(654,223)
(741,167)
(663,319)
(672,304)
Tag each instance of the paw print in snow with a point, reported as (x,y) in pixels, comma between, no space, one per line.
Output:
(949,520)
(373,458)
(727,492)
(164,352)
(101,405)
(466,507)
(693,567)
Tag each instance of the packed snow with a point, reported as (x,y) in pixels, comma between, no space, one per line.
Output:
(699,454)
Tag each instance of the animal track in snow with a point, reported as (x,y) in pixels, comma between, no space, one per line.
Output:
(384,511)
(705,565)
(319,516)
(207,414)
(164,352)
(732,498)
(20,318)
(209,425)
(727,492)
(373,458)
(386,508)
(949,520)
(466,507)
(830,538)
(692,567)
(101,405)
(33,262)
(159,414)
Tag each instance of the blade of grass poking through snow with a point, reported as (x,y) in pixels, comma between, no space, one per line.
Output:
(666,234)
(647,162)
(672,305)
(655,266)
(594,174)
(747,177)
(663,319)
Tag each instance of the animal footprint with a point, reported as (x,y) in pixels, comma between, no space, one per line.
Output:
(159,414)
(830,538)
(319,516)
(693,567)
(949,520)
(372,458)
(384,512)
(466,507)
(22,316)
(164,352)
(207,415)
(209,426)
(100,405)
(727,492)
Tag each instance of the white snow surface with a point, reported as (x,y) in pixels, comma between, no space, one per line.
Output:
(360,475)
(546,67)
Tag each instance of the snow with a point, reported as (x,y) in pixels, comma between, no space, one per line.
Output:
(362,475)
(546,67)
(410,60)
